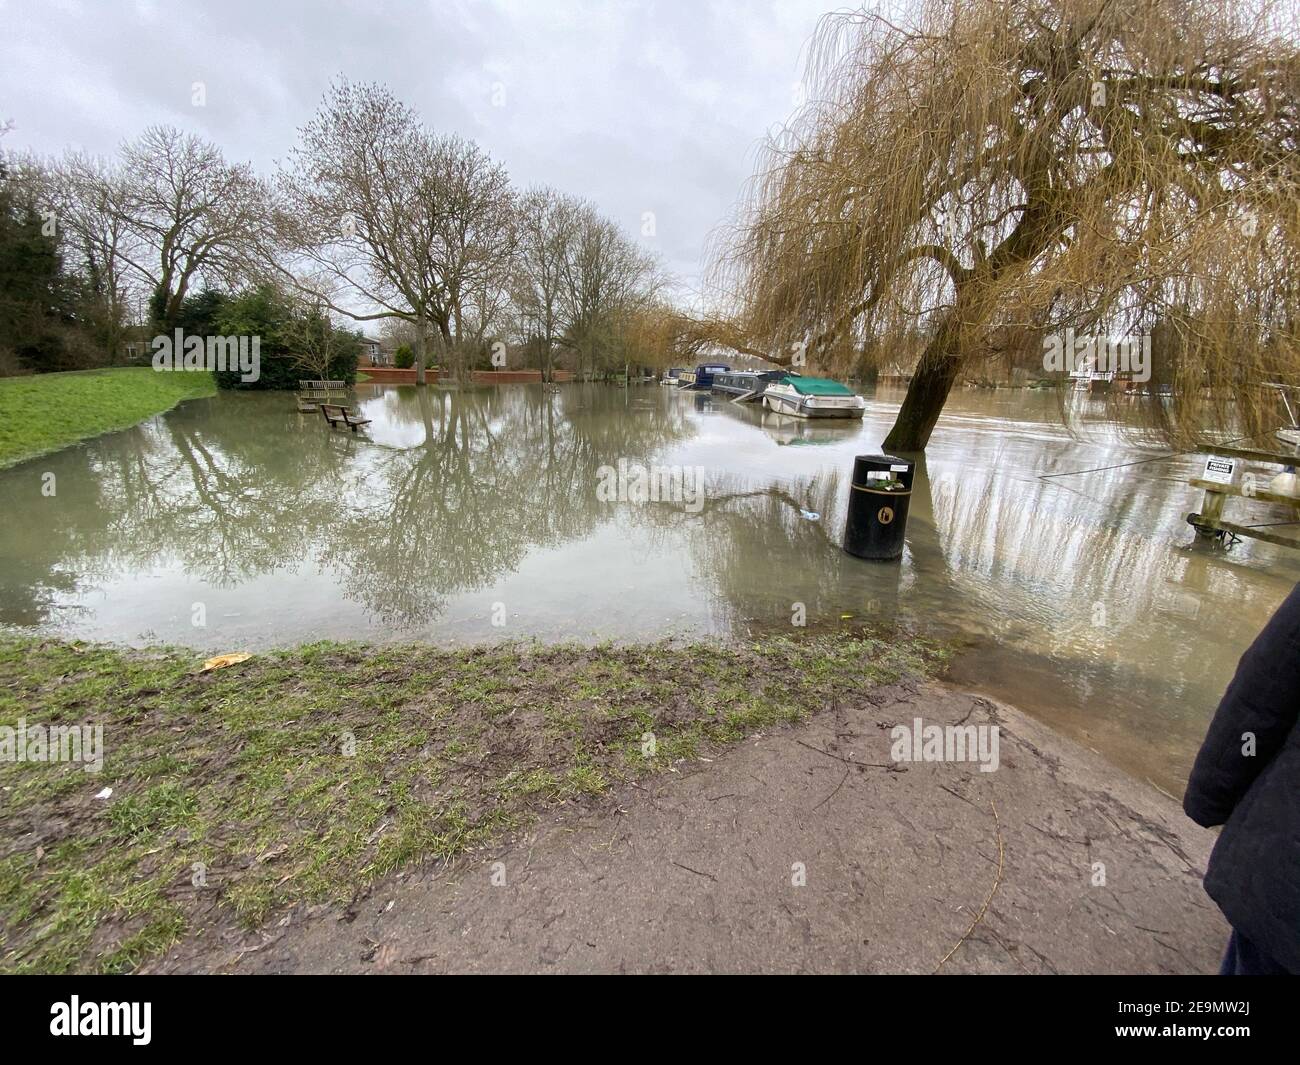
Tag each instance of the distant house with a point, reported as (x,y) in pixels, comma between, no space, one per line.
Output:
(373,353)
(137,343)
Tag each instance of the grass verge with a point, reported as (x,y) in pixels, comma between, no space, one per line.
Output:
(304,776)
(45,412)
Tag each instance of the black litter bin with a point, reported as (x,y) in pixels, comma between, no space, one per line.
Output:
(878,498)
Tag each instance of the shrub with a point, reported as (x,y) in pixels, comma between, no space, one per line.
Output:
(264,313)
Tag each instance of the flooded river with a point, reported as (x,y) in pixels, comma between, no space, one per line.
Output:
(236,523)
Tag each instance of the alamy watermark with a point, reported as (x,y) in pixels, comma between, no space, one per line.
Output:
(1070,353)
(946,743)
(53,743)
(632,482)
(74,1017)
(220,354)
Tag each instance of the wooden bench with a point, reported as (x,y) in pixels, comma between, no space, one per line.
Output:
(338,416)
(312,393)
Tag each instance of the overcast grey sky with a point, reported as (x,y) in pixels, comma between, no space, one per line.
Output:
(638,106)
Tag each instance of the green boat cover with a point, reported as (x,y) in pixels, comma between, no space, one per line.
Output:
(817,386)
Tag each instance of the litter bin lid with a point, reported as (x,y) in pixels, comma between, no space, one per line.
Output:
(865,464)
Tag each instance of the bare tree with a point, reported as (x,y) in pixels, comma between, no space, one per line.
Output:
(414,225)
(475,249)
(548,226)
(187,214)
(89,195)
(1002,164)
(314,339)
(604,275)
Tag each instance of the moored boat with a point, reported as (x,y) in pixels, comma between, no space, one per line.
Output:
(1290,433)
(813,397)
(670,377)
(702,376)
(742,382)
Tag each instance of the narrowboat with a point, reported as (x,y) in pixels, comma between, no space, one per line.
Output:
(741,382)
(813,397)
(702,376)
(670,377)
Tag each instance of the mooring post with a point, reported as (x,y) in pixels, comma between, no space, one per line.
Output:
(1212,505)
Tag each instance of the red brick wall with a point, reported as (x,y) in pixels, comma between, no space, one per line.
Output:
(390,375)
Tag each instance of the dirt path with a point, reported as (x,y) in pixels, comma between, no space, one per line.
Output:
(692,872)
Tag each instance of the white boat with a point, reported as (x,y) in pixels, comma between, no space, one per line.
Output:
(813,397)
(1288,434)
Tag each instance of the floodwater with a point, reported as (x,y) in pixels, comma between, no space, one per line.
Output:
(237,523)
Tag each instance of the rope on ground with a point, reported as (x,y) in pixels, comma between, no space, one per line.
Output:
(997,881)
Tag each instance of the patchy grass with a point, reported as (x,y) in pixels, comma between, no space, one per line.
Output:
(304,776)
(45,412)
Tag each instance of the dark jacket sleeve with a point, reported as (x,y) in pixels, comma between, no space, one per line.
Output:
(1263,699)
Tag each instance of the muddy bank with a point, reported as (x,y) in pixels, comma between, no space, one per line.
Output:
(218,801)
(801,849)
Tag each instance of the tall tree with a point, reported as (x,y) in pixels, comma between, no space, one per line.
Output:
(1042,164)
(548,226)
(410,224)
(604,276)
(474,244)
(189,215)
(89,198)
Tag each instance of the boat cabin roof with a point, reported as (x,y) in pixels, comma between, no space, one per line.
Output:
(817,386)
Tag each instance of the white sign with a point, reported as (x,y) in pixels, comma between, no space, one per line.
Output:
(1219,470)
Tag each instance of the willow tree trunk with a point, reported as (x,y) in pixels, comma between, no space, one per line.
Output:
(1040,224)
(936,371)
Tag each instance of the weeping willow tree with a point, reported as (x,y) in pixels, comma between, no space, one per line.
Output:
(981,168)
(665,336)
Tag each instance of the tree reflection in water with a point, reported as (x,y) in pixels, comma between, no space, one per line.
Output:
(242,486)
